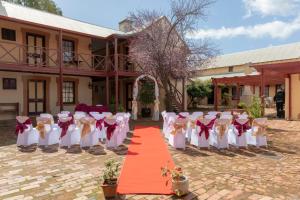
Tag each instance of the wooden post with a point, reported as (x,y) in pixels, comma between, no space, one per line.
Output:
(116,75)
(61,81)
(238,93)
(215,95)
(262,90)
(183,94)
(106,69)
(290,96)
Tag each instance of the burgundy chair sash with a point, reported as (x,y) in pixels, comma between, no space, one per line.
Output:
(64,127)
(20,127)
(99,123)
(205,128)
(181,116)
(110,129)
(241,127)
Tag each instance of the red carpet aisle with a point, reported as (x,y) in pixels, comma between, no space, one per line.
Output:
(141,173)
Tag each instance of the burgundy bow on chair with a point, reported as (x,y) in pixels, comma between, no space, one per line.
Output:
(181,116)
(241,127)
(99,123)
(64,127)
(110,129)
(205,128)
(20,127)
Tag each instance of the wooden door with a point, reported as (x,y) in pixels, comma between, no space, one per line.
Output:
(36,54)
(36,97)
(129,96)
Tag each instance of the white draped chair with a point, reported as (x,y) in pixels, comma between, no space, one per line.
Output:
(214,113)
(178,132)
(201,136)
(192,123)
(237,137)
(27,135)
(183,115)
(107,114)
(257,135)
(49,132)
(47,115)
(69,132)
(121,133)
(89,132)
(111,129)
(168,120)
(219,134)
(99,124)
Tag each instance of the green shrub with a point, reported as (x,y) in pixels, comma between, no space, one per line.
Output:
(198,90)
(255,109)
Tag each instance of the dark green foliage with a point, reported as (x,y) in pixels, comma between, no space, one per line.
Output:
(147,93)
(198,90)
(45,5)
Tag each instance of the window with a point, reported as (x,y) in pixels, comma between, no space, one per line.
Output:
(267,91)
(68,49)
(8,34)
(230,69)
(234,93)
(9,83)
(69,92)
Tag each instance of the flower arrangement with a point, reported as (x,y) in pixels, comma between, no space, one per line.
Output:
(180,182)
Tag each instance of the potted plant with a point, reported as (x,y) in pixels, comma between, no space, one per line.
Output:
(110,178)
(146,98)
(180,183)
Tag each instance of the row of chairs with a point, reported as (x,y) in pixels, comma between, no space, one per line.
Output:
(218,129)
(84,129)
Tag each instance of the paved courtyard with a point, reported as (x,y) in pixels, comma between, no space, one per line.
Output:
(272,173)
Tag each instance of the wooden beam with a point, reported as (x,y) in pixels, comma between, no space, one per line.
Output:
(116,56)
(262,90)
(106,70)
(215,95)
(61,81)
(183,94)
(290,96)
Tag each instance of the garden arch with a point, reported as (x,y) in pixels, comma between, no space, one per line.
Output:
(155,116)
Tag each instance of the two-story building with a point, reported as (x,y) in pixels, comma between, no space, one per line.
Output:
(50,62)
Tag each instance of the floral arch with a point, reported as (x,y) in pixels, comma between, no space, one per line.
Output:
(155,116)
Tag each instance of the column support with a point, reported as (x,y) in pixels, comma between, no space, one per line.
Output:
(60,52)
(116,75)
(106,69)
(183,95)
(290,96)
(215,95)
(262,89)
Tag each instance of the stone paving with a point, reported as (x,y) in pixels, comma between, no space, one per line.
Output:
(272,173)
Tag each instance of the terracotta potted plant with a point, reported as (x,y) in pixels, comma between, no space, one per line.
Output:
(110,178)
(180,183)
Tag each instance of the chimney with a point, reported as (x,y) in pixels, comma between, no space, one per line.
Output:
(126,25)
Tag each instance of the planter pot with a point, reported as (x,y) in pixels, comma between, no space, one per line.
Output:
(146,112)
(180,187)
(109,190)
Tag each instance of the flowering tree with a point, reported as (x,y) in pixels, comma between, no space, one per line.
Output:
(161,47)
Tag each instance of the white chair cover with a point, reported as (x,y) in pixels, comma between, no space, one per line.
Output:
(169,118)
(184,114)
(226,113)
(219,134)
(192,123)
(92,137)
(256,136)
(100,129)
(202,141)
(72,136)
(177,135)
(30,135)
(121,134)
(236,139)
(113,141)
(215,113)
(47,115)
(51,131)
(107,114)
(65,112)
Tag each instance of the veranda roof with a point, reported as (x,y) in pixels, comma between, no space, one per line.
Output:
(19,12)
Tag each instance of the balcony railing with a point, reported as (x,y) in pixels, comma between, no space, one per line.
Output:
(33,56)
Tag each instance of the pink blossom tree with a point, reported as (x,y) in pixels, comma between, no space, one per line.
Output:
(160,45)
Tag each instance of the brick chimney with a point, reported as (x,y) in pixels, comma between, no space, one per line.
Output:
(126,25)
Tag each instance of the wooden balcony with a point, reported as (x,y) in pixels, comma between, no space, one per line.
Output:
(24,58)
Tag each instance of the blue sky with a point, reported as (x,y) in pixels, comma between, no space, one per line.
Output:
(232,25)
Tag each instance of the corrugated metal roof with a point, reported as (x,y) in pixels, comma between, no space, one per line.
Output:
(225,75)
(269,54)
(40,17)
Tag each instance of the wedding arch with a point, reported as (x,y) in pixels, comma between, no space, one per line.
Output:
(155,116)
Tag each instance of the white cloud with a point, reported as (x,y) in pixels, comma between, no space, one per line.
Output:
(275,29)
(272,7)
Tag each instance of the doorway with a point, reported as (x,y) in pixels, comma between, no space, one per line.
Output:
(36,53)
(36,97)
(129,97)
